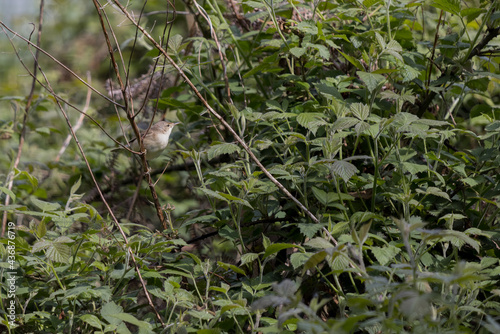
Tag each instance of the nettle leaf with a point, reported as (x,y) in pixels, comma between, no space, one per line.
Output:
(344,169)
(372,81)
(275,248)
(224,148)
(308,27)
(344,123)
(472,13)
(434,191)
(311,121)
(360,110)
(386,254)
(45,206)
(409,73)
(450,6)
(309,230)
(298,52)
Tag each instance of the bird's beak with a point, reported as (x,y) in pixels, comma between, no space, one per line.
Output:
(177,123)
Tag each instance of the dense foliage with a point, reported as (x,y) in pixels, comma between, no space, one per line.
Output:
(336,169)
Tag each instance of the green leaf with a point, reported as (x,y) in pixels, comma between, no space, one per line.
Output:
(360,110)
(309,230)
(344,123)
(344,169)
(248,258)
(434,191)
(385,255)
(472,13)
(353,61)
(41,229)
(224,148)
(299,259)
(298,52)
(92,320)
(372,81)
(275,248)
(308,27)
(311,121)
(450,6)
(45,206)
(409,73)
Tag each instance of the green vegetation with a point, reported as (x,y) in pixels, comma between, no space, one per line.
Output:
(336,169)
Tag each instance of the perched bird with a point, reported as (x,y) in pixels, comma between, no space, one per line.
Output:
(156,139)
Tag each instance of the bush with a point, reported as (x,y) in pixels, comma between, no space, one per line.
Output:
(335,169)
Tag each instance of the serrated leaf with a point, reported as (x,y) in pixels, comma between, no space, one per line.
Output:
(414,168)
(434,191)
(299,259)
(311,121)
(298,52)
(41,229)
(308,27)
(248,258)
(212,193)
(386,254)
(309,230)
(344,123)
(360,110)
(45,206)
(344,169)
(75,186)
(275,248)
(224,148)
(371,80)
(409,73)
(319,243)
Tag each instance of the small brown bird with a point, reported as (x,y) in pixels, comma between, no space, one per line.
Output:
(156,139)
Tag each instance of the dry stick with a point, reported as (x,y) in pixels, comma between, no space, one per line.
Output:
(221,119)
(79,123)
(130,116)
(10,177)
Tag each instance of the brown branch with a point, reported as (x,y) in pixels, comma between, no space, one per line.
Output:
(10,177)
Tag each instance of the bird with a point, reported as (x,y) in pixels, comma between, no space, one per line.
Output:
(156,139)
